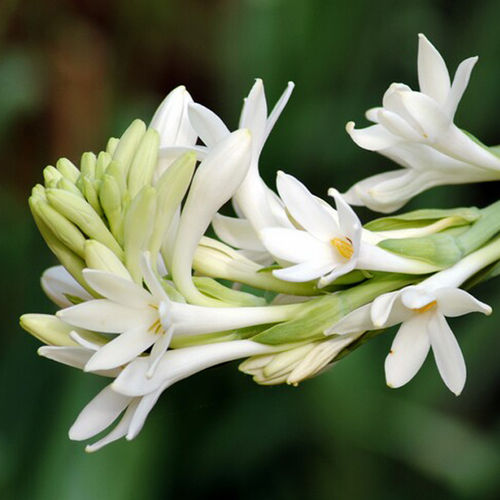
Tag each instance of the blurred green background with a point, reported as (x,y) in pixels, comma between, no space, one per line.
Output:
(74,73)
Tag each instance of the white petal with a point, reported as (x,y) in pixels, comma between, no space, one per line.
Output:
(306,271)
(372,114)
(459,85)
(447,353)
(456,302)
(350,226)
(408,351)
(295,246)
(145,405)
(117,289)
(121,349)
(397,125)
(98,414)
(150,278)
(254,116)
(356,321)
(75,357)
(414,297)
(207,124)
(381,312)
(57,283)
(433,76)
(171,120)
(427,113)
(278,109)
(119,431)
(159,349)
(337,272)
(102,315)
(236,232)
(213,184)
(88,344)
(304,208)
(372,138)
(177,364)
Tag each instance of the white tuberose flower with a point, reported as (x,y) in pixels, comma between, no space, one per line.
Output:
(143,318)
(422,310)
(416,129)
(134,394)
(329,243)
(257,205)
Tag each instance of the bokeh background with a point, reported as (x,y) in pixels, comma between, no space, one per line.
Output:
(74,73)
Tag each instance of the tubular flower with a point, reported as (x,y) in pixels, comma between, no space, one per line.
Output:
(326,243)
(416,129)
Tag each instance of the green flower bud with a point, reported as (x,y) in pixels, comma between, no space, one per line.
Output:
(68,170)
(51,176)
(112,145)
(144,162)
(99,256)
(91,194)
(235,298)
(103,161)
(127,147)
(88,165)
(111,203)
(66,185)
(47,328)
(81,213)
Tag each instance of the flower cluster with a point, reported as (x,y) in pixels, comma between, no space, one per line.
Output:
(146,298)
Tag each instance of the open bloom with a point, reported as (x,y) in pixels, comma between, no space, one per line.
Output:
(416,129)
(325,243)
(257,206)
(421,310)
(140,318)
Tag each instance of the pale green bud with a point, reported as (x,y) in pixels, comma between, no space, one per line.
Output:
(235,298)
(111,203)
(112,145)
(71,261)
(115,171)
(171,188)
(60,226)
(127,147)
(47,328)
(51,176)
(99,256)
(137,227)
(144,162)
(217,260)
(84,216)
(38,192)
(66,185)
(103,161)
(91,194)
(88,165)
(68,169)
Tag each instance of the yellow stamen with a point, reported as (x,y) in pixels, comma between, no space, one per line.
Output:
(344,247)
(425,308)
(155,327)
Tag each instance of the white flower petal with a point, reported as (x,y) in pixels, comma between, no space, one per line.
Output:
(75,357)
(254,116)
(117,289)
(304,208)
(142,411)
(119,431)
(381,312)
(372,138)
(372,114)
(456,302)
(414,297)
(350,226)
(433,76)
(459,85)
(159,349)
(306,271)
(295,246)
(121,349)
(171,120)
(397,125)
(427,113)
(278,109)
(408,351)
(150,278)
(103,410)
(447,353)
(210,128)
(237,232)
(57,283)
(102,315)
(337,272)
(178,364)
(356,321)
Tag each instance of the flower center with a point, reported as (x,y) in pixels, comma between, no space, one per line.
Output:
(343,247)
(425,308)
(155,327)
